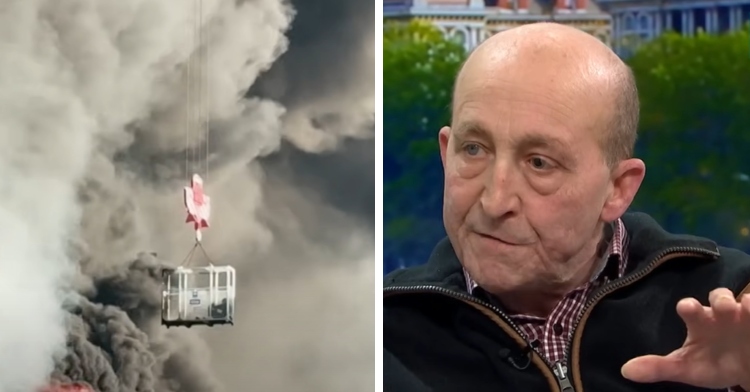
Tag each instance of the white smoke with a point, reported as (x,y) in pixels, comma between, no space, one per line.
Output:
(92,114)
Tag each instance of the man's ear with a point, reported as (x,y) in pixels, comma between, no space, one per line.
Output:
(444,137)
(626,180)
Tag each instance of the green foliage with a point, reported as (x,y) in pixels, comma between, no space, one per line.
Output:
(695,130)
(419,66)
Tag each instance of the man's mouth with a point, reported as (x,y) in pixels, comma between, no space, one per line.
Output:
(498,239)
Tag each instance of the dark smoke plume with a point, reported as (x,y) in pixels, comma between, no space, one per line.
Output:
(92,117)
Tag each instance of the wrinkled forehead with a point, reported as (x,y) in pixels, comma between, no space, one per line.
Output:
(533,100)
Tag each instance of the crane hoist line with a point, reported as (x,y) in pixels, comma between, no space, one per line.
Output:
(198,295)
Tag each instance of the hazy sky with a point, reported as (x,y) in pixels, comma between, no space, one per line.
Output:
(93,113)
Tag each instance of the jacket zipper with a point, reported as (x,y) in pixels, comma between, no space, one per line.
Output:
(561,373)
(610,287)
(559,370)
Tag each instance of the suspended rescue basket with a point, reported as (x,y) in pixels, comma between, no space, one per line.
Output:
(197,295)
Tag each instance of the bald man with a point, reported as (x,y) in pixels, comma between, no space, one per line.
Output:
(544,281)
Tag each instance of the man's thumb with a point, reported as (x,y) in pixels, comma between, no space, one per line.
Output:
(650,368)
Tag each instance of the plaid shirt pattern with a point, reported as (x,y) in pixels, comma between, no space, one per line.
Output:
(550,336)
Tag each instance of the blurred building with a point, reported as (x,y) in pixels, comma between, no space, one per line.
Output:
(636,21)
(472,21)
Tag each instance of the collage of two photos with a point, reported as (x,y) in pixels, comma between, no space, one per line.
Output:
(401,195)
(565,195)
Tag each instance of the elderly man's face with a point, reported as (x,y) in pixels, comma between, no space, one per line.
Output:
(526,181)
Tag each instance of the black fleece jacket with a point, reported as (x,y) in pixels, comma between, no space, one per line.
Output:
(439,338)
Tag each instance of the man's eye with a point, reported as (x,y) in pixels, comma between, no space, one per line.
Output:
(472,149)
(539,163)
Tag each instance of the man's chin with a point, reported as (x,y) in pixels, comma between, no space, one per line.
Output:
(503,272)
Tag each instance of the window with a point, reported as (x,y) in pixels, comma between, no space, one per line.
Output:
(677,21)
(628,22)
(745,9)
(459,36)
(644,23)
(700,21)
(635,30)
(663,20)
(724,19)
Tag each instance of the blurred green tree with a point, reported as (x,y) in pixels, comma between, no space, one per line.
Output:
(695,133)
(419,66)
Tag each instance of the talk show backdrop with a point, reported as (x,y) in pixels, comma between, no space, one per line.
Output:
(695,126)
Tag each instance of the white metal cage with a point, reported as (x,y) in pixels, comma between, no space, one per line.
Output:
(198,296)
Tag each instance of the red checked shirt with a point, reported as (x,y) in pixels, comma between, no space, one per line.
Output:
(552,333)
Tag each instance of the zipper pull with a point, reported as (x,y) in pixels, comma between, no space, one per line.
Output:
(561,372)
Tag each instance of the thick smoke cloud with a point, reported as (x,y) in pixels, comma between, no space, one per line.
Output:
(317,193)
(92,118)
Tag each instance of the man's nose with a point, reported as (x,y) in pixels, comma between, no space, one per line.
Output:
(500,197)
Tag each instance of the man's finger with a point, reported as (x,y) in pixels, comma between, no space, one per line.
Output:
(651,368)
(720,292)
(724,305)
(693,313)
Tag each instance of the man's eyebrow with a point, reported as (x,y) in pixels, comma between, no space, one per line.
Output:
(542,141)
(470,128)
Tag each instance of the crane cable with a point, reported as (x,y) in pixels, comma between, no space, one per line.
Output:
(186,261)
(197,89)
(197,115)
